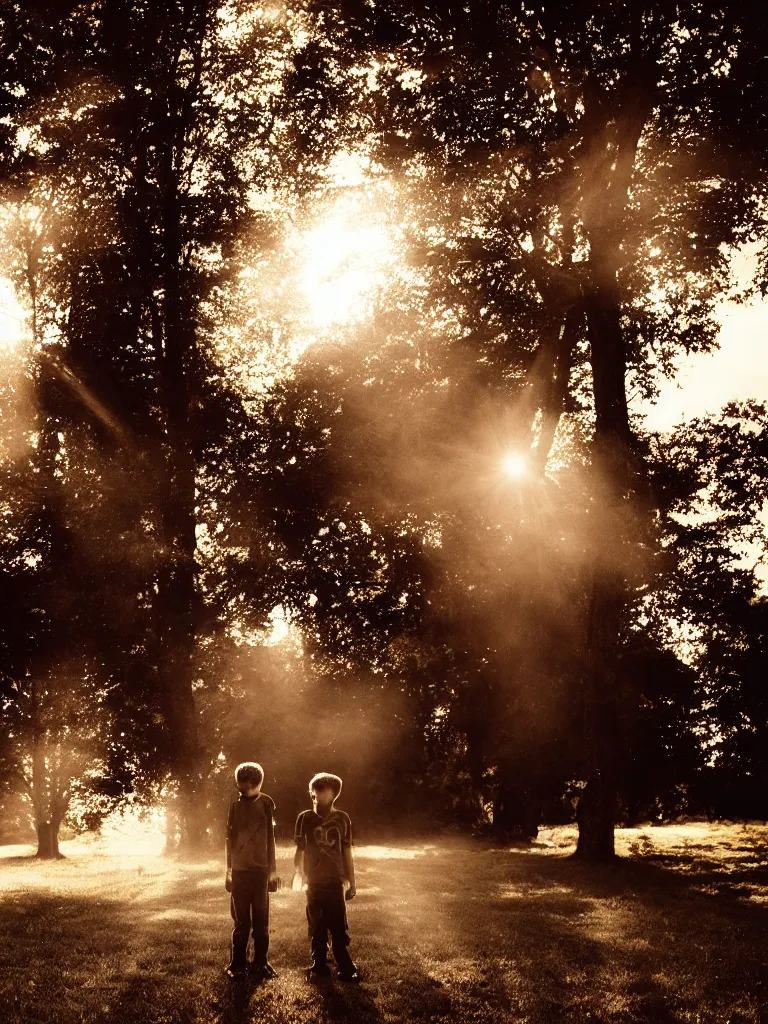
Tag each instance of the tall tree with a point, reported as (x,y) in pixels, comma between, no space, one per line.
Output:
(589,147)
(177,102)
(49,652)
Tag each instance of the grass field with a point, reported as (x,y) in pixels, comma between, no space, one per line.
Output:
(448,930)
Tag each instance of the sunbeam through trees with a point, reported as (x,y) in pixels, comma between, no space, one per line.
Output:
(328,339)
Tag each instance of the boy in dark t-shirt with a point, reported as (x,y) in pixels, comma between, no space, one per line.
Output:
(251,873)
(324,861)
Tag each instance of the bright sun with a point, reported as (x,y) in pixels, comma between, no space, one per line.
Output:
(344,263)
(514,465)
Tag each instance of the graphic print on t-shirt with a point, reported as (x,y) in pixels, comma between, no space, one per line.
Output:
(328,840)
(323,840)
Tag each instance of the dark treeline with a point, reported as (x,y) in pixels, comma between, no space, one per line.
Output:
(509,602)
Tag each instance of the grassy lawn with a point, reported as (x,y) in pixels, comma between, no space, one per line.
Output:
(442,931)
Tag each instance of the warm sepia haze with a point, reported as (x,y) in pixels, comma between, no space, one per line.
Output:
(337,259)
(13,318)
(334,267)
(343,264)
(17,413)
(333,260)
(331,275)
(383,392)
(336,262)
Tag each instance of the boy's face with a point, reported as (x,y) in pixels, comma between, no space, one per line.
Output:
(248,787)
(322,796)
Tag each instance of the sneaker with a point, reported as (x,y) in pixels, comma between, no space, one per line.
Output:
(318,971)
(351,976)
(265,971)
(235,970)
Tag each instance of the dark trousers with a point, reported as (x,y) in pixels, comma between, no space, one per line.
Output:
(250,912)
(327,912)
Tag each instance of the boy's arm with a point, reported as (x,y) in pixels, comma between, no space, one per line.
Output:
(349,862)
(228,848)
(298,862)
(349,871)
(271,841)
(298,857)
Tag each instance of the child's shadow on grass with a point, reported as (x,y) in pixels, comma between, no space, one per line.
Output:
(236,1004)
(343,1001)
(234,999)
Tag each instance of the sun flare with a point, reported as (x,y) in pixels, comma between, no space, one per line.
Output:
(514,466)
(344,263)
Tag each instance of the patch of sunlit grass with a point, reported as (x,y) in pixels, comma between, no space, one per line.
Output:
(445,930)
(393,852)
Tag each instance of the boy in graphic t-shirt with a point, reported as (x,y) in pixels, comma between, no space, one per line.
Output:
(324,861)
(251,872)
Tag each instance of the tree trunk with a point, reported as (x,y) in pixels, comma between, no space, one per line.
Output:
(171,827)
(603,212)
(177,602)
(596,812)
(596,818)
(48,840)
(516,813)
(556,387)
(611,526)
(178,585)
(192,836)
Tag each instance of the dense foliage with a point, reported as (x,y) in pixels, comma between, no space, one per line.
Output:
(501,596)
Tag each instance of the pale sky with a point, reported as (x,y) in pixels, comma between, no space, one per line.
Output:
(738,370)
(706,382)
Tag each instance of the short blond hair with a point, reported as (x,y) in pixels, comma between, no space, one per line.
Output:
(326,779)
(249,771)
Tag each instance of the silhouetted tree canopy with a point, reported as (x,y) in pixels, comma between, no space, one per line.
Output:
(191,463)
